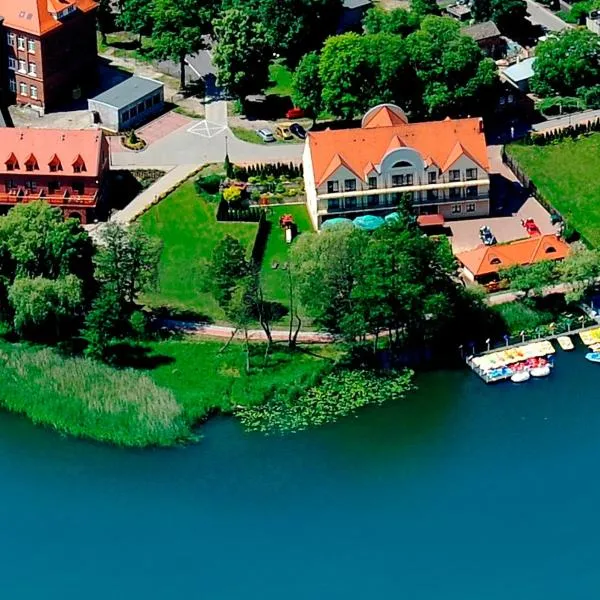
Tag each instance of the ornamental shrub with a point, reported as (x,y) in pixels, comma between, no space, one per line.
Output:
(232,194)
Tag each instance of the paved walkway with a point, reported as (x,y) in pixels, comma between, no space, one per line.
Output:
(584,116)
(221,331)
(540,15)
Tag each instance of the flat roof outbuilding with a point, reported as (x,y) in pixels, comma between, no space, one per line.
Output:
(128,92)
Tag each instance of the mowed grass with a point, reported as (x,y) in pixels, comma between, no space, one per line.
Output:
(280,78)
(175,385)
(567,175)
(204,380)
(187,225)
(275,281)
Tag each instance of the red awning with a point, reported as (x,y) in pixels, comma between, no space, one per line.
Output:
(430,220)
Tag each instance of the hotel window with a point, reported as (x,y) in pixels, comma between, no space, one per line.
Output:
(432,177)
(31,46)
(397,180)
(11,38)
(333,204)
(23,89)
(432,194)
(454,175)
(456,209)
(34,92)
(10,184)
(350,203)
(32,69)
(12,63)
(372,183)
(471,173)
(454,192)
(349,185)
(408,179)
(12,85)
(33,186)
(333,187)
(472,191)
(22,66)
(21,43)
(372,200)
(471,207)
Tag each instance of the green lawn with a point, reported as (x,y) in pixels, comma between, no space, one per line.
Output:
(567,175)
(275,281)
(280,78)
(203,380)
(189,230)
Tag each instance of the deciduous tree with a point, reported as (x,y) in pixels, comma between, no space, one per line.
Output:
(307,91)
(179,29)
(397,21)
(127,262)
(566,62)
(136,16)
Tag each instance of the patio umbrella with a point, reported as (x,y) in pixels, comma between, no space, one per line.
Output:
(392,218)
(368,222)
(337,222)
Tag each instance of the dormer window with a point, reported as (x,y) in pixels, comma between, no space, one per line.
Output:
(550,250)
(55,164)
(401,164)
(78,165)
(31,164)
(495,261)
(12,163)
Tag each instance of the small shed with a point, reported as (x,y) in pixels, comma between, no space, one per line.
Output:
(519,74)
(128,104)
(460,11)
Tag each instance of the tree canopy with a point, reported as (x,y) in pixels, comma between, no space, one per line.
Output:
(398,21)
(433,72)
(509,15)
(566,62)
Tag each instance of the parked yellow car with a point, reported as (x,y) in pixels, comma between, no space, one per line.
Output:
(283,131)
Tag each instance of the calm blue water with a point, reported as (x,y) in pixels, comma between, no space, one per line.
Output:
(464,492)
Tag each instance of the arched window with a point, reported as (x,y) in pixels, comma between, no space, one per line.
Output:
(550,249)
(401,164)
(495,261)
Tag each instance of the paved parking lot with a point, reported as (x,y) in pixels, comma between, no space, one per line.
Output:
(465,234)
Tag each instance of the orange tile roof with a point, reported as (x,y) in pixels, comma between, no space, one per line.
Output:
(22,145)
(384,117)
(485,260)
(438,142)
(34,16)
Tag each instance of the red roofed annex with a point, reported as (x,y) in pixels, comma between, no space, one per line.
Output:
(49,47)
(65,168)
(443,165)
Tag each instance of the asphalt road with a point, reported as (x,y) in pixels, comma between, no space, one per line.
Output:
(540,15)
(573,119)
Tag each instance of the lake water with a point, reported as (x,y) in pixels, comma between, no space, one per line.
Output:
(465,491)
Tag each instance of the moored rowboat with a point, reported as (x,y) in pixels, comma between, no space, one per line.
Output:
(565,342)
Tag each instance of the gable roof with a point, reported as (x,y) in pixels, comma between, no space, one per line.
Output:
(36,16)
(435,141)
(46,145)
(482,31)
(384,115)
(485,260)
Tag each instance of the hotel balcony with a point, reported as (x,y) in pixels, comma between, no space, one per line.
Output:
(66,198)
(422,195)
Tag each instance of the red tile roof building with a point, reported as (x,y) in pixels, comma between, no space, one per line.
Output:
(486,261)
(63,167)
(442,164)
(48,49)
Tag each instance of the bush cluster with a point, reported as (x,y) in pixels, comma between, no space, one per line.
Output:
(265,169)
(556,135)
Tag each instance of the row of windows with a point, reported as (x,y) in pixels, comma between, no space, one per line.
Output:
(22,65)
(457,208)
(21,42)
(24,89)
(399,180)
(140,108)
(53,186)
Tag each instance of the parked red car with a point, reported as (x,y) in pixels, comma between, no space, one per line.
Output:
(294,113)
